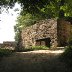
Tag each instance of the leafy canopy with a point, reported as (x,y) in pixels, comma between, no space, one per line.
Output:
(44,7)
(23,21)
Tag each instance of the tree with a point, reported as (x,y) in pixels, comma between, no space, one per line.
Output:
(7,2)
(23,21)
(53,8)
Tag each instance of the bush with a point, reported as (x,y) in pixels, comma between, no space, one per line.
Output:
(33,48)
(68,51)
(39,48)
(5,52)
(70,41)
(67,56)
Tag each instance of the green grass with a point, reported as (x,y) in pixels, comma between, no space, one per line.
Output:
(32,48)
(39,48)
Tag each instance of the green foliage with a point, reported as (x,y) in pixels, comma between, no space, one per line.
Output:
(5,52)
(70,41)
(67,55)
(8,2)
(46,8)
(23,21)
(32,48)
(39,48)
(50,8)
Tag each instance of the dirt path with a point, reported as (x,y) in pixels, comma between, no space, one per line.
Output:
(33,61)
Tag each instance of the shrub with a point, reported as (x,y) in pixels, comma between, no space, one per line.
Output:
(70,41)
(5,52)
(33,48)
(39,48)
(67,55)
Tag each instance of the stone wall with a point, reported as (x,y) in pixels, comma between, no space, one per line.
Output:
(57,32)
(8,45)
(64,29)
(41,30)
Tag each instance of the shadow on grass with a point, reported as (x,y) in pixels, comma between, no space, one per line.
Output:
(32,62)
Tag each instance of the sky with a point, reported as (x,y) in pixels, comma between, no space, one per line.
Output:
(7,23)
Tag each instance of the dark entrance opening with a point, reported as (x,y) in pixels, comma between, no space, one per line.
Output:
(43,42)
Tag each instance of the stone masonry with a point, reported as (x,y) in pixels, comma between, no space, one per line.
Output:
(64,31)
(47,32)
(8,45)
(44,29)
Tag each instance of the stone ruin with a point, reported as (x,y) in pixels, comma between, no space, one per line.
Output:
(8,45)
(48,32)
(64,31)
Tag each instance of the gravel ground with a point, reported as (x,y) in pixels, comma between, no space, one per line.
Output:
(45,51)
